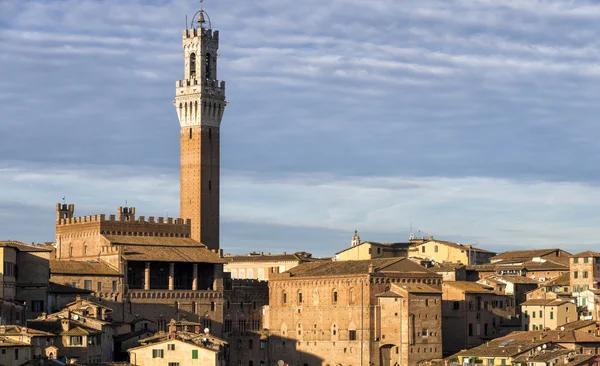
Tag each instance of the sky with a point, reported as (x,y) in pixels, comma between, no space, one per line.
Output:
(470,120)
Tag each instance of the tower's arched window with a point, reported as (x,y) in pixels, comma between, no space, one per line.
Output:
(190,133)
(194,307)
(207,70)
(192,65)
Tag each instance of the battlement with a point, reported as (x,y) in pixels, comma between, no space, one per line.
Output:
(113,218)
(199,32)
(64,211)
(219,85)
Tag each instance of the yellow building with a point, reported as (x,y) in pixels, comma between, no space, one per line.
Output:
(259,266)
(371,250)
(445,251)
(539,314)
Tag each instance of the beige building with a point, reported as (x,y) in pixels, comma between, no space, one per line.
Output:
(553,289)
(380,311)
(182,345)
(585,282)
(14,353)
(539,314)
(260,266)
(440,251)
(473,314)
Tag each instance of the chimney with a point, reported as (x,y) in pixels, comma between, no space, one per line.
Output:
(44,315)
(431,237)
(172,327)
(65,324)
(371,268)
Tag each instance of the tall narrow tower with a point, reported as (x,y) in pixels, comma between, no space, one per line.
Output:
(200,101)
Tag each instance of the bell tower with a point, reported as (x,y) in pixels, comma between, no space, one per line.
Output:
(200,102)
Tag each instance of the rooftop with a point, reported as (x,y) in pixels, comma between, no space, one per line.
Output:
(586,254)
(359,267)
(24,247)
(576,325)
(469,287)
(153,241)
(70,267)
(391,246)
(171,254)
(260,257)
(545,302)
(522,254)
(454,245)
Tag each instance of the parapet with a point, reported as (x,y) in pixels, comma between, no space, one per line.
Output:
(198,32)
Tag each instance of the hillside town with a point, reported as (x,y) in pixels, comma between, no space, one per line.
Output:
(127,289)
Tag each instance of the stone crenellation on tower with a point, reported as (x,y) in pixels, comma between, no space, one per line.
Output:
(200,102)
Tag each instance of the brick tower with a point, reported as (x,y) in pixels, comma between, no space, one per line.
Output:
(200,101)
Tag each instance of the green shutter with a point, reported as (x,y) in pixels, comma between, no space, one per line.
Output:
(194,354)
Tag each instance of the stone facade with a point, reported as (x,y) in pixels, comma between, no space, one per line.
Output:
(382,311)
(473,313)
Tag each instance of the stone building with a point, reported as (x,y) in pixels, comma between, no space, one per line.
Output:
(163,268)
(539,314)
(516,286)
(445,251)
(259,266)
(473,314)
(380,311)
(24,280)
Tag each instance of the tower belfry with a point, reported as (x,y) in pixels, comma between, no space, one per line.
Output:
(200,102)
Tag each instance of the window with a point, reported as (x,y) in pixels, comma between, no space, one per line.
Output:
(470,329)
(37,305)
(210,133)
(335,296)
(352,297)
(194,354)
(435,249)
(552,315)
(192,65)
(16,353)
(212,306)
(250,344)
(585,260)
(173,363)
(426,302)
(424,333)
(585,274)
(171,346)
(99,286)
(158,353)
(207,70)
(378,250)
(423,249)
(533,314)
(352,335)
(190,133)
(540,314)
(485,329)
(87,284)
(209,188)
(575,260)
(456,305)
(76,341)
(299,297)
(261,274)
(242,273)
(114,286)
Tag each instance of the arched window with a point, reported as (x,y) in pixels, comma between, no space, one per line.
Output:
(176,306)
(212,306)
(352,297)
(334,296)
(207,70)
(192,65)
(190,133)
(284,297)
(193,307)
(299,297)
(250,344)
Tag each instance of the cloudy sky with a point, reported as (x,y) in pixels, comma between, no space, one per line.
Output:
(473,120)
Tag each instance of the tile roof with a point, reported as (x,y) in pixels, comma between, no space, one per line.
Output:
(24,247)
(543,357)
(586,254)
(537,302)
(17,329)
(82,267)
(75,331)
(57,288)
(469,287)
(171,254)
(53,325)
(562,280)
(418,288)
(516,279)
(520,254)
(7,342)
(152,241)
(255,257)
(359,267)
(446,267)
(578,324)
(388,294)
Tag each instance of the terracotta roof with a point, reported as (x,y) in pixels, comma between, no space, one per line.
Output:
(516,279)
(577,324)
(562,280)
(255,257)
(446,267)
(543,357)
(482,267)
(388,294)
(17,329)
(23,247)
(469,287)
(171,254)
(152,241)
(78,331)
(537,302)
(64,289)
(7,342)
(418,288)
(586,254)
(53,325)
(534,266)
(360,267)
(522,254)
(82,268)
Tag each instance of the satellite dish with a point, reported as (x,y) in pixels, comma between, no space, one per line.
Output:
(544,346)
(280,363)
(76,317)
(539,348)
(562,328)
(206,330)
